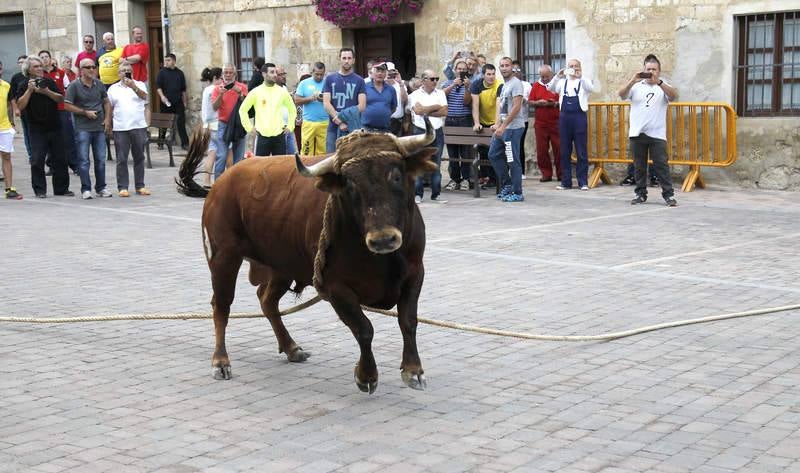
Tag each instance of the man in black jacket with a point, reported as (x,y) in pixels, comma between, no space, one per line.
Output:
(171,85)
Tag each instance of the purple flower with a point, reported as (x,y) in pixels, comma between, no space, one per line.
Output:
(344,12)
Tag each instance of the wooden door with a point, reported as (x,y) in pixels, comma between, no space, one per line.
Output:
(155,38)
(372,44)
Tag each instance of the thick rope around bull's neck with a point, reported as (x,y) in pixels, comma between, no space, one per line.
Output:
(322,247)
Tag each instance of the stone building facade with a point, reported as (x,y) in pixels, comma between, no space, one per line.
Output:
(697,42)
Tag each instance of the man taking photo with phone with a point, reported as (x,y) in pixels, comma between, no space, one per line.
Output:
(650,96)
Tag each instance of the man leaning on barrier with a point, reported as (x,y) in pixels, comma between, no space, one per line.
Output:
(650,96)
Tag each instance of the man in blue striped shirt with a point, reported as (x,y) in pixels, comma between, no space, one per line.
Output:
(459,113)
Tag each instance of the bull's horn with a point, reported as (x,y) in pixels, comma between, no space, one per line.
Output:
(410,144)
(323,167)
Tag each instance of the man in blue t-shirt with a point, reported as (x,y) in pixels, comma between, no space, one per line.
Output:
(381,101)
(343,92)
(315,120)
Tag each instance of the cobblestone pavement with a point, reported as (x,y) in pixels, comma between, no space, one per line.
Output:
(138,396)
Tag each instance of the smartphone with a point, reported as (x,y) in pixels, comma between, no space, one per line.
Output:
(129,75)
(464,75)
(230,86)
(645,75)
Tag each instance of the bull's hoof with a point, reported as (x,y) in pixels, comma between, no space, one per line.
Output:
(365,386)
(298,355)
(221,372)
(414,380)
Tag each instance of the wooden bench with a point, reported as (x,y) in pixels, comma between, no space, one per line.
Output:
(161,121)
(465,135)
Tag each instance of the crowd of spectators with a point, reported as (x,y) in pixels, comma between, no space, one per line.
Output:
(66,114)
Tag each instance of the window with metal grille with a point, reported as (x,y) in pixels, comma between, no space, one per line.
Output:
(540,43)
(768,65)
(245,47)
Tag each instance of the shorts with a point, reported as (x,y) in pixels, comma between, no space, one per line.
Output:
(7,141)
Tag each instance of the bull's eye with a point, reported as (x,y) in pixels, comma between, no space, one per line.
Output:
(395,176)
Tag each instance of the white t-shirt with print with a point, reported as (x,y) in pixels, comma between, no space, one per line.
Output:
(649,106)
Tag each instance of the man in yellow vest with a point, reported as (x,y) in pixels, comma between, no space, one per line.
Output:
(108,58)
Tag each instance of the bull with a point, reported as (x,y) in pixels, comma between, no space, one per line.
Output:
(270,212)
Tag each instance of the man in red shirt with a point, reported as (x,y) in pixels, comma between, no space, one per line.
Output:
(223,100)
(88,50)
(546,124)
(137,54)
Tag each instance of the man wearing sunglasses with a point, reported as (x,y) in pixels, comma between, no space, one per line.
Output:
(87,99)
(88,50)
(431,101)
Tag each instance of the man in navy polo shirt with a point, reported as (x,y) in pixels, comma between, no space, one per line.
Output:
(381,101)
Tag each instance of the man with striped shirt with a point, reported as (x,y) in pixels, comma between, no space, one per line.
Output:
(459,113)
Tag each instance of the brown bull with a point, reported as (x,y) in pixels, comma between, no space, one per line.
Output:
(269,211)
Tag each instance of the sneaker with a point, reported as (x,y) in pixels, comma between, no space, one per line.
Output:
(451,186)
(505,191)
(143,191)
(67,194)
(654,182)
(584,188)
(86,195)
(417,199)
(438,199)
(639,199)
(104,193)
(462,186)
(513,198)
(124,193)
(671,202)
(11,193)
(562,188)
(524,177)
(628,181)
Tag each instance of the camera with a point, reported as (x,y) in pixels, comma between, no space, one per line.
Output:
(230,86)
(645,75)
(39,82)
(464,75)
(128,75)
(319,97)
(569,71)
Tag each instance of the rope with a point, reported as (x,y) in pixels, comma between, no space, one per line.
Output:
(322,246)
(437,323)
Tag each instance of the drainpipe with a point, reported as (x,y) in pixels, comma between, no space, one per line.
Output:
(165,22)
(46,25)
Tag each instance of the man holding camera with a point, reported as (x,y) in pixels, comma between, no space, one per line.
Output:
(87,100)
(459,113)
(224,99)
(37,100)
(315,120)
(650,97)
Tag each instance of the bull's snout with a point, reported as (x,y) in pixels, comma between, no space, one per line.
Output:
(384,241)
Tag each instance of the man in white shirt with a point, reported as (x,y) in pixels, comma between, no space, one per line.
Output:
(431,101)
(129,124)
(650,97)
(393,78)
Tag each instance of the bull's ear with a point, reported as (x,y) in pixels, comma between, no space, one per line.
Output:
(330,182)
(420,162)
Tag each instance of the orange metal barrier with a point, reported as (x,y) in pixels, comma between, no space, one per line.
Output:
(698,134)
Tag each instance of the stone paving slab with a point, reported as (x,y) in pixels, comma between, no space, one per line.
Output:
(138,396)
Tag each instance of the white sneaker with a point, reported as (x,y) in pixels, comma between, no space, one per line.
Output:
(86,195)
(417,199)
(524,177)
(451,186)
(104,193)
(584,188)
(438,199)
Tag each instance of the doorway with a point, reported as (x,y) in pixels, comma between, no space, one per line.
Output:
(155,38)
(393,43)
(12,42)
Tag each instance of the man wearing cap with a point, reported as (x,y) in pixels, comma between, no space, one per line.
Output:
(381,101)
(399,85)
(271,102)
(315,120)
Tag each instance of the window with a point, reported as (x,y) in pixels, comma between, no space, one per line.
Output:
(768,67)
(540,43)
(245,47)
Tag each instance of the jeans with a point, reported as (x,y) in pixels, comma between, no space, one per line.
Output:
(97,141)
(497,155)
(330,138)
(44,142)
(222,150)
(291,143)
(130,142)
(459,171)
(657,148)
(436,176)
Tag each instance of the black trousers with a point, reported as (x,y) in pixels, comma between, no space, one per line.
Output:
(44,142)
(271,145)
(180,121)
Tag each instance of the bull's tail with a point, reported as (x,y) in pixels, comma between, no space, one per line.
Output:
(197,150)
